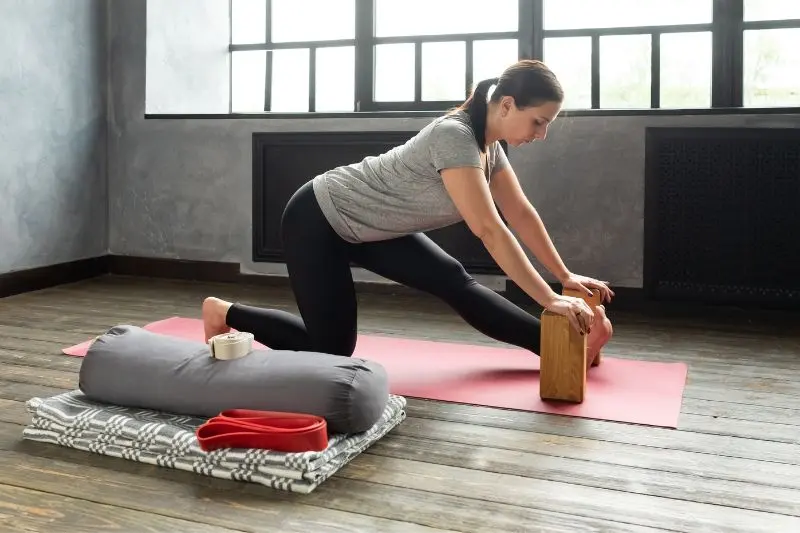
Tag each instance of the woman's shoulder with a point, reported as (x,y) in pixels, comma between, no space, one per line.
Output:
(454,121)
(453,128)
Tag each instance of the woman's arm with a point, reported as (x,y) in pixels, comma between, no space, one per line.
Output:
(468,188)
(525,220)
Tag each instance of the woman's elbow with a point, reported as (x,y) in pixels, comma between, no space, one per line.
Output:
(488,231)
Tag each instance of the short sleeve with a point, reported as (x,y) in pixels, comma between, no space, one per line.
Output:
(452,144)
(500,158)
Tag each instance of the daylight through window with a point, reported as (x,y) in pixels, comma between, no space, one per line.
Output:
(300,56)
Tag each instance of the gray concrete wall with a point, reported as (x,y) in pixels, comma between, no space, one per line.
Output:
(181,188)
(53,85)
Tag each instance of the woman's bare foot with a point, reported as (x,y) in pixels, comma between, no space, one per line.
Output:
(214,313)
(599,336)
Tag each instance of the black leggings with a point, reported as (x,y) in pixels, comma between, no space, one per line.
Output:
(318,261)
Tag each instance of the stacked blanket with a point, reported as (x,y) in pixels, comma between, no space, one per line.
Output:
(163,439)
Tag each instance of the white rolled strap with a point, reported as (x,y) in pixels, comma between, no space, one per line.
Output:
(231,345)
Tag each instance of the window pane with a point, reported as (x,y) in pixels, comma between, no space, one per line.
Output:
(335,79)
(444,68)
(438,17)
(686,70)
(248,71)
(394,72)
(491,58)
(290,80)
(571,14)
(313,20)
(248,21)
(771,9)
(771,67)
(570,59)
(625,71)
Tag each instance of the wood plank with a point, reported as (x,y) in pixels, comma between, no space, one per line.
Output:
(607,504)
(741,411)
(687,486)
(664,438)
(58,338)
(753,398)
(39,376)
(58,362)
(22,392)
(338,505)
(14,412)
(746,429)
(29,510)
(697,465)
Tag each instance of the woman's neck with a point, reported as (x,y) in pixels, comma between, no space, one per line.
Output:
(492,124)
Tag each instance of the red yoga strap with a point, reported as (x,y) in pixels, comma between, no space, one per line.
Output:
(270,430)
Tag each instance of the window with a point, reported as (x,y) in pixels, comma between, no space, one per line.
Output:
(394,18)
(437,58)
(594,14)
(300,56)
(283,60)
(685,70)
(630,54)
(771,67)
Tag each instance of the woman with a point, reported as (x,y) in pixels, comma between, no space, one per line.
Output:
(373,213)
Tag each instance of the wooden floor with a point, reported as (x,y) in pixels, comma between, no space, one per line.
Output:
(733,464)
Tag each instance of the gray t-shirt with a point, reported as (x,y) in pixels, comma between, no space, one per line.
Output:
(401,191)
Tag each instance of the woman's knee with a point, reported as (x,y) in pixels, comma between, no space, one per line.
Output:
(453,277)
(336,344)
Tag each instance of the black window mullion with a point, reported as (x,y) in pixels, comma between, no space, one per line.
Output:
(655,70)
(410,106)
(230,62)
(596,71)
(312,79)
(782,24)
(534,26)
(418,71)
(268,60)
(364,60)
(469,73)
(525,16)
(727,61)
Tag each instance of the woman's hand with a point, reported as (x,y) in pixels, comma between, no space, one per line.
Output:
(578,312)
(585,284)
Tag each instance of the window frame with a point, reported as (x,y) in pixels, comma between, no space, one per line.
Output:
(727,29)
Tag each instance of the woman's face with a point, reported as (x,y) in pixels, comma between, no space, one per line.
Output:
(521,126)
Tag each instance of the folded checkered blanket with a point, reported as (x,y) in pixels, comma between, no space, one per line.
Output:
(163,439)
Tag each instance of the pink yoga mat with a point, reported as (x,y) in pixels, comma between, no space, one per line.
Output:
(622,390)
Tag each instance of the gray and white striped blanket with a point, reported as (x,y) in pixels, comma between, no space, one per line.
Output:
(163,439)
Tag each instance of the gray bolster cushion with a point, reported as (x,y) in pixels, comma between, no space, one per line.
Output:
(132,367)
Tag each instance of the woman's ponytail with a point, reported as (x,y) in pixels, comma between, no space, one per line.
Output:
(476,107)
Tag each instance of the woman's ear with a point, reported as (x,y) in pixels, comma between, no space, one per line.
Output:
(506,103)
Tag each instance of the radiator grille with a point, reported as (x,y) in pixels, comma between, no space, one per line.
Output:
(722,215)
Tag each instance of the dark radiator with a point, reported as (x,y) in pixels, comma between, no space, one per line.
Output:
(282,162)
(722,215)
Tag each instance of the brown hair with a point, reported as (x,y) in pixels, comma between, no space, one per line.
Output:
(528,81)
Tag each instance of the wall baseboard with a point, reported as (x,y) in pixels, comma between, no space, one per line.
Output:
(166,268)
(631,299)
(205,271)
(35,279)
(220,272)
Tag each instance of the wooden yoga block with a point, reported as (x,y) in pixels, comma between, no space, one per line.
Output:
(593,301)
(562,363)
